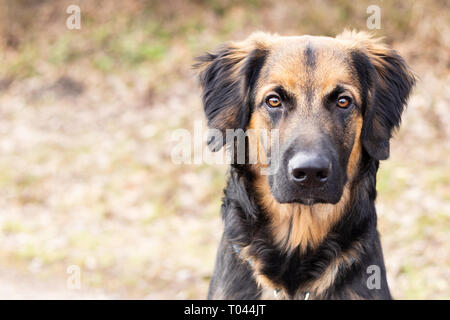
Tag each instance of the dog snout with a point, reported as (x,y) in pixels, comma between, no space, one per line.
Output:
(309,170)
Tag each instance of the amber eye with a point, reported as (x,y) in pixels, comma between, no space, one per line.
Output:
(343,102)
(273,101)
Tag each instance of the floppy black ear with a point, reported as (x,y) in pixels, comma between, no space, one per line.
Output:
(393,83)
(227,77)
(389,81)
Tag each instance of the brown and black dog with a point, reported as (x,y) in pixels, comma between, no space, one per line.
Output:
(309,229)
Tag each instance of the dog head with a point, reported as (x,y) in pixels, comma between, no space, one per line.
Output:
(329,99)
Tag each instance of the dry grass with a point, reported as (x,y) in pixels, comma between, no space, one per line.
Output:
(87,116)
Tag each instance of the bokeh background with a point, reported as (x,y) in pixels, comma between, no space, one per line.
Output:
(86,123)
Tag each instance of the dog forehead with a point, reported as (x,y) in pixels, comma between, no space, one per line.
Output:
(304,48)
(296,61)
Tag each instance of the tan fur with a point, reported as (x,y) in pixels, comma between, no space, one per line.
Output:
(326,280)
(374,48)
(259,128)
(315,288)
(355,155)
(266,286)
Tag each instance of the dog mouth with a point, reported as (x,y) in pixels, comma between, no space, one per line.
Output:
(308,198)
(307,201)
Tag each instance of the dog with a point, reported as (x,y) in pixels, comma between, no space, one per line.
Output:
(308,230)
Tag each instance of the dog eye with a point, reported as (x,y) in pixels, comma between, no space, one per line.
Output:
(344,102)
(273,101)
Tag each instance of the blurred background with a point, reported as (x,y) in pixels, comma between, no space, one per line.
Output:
(86,123)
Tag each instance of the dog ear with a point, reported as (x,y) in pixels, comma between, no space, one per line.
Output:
(390,81)
(227,77)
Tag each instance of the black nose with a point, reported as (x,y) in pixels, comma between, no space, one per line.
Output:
(309,170)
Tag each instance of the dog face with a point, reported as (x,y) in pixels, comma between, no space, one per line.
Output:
(330,100)
(309,91)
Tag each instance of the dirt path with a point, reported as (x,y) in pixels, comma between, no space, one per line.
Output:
(15,285)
